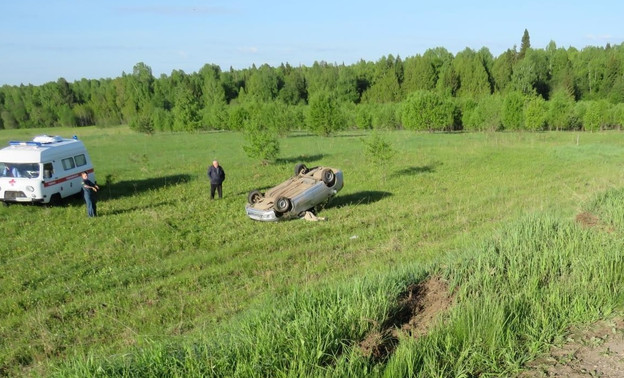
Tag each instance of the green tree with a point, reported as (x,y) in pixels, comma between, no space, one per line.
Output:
(187,109)
(448,80)
(103,102)
(525,45)
(561,71)
(486,115)
(513,111)
(347,85)
(502,69)
(238,115)
(386,81)
(262,84)
(535,113)
(589,70)
(364,118)
(530,75)
(262,142)
(379,152)
(84,115)
(425,110)
(617,112)
(321,77)
(597,115)
(143,122)
(473,76)
(561,111)
(324,115)
(386,116)
(294,90)
(420,74)
(214,111)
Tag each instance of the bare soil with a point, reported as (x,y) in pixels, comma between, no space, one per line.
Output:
(417,311)
(589,220)
(593,351)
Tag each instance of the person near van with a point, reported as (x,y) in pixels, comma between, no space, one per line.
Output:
(216,174)
(90,189)
(11,171)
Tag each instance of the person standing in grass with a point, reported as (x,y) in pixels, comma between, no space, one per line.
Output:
(90,189)
(216,174)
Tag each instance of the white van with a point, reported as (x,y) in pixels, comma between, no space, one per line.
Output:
(43,170)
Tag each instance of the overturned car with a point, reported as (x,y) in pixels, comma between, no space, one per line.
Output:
(305,190)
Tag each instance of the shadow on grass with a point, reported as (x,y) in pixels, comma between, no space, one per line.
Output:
(129,188)
(409,171)
(300,159)
(132,209)
(360,198)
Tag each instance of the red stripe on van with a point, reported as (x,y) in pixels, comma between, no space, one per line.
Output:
(63,179)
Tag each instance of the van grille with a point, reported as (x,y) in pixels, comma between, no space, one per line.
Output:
(12,194)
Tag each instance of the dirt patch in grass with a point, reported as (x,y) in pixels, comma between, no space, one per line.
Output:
(587,219)
(416,312)
(590,220)
(594,351)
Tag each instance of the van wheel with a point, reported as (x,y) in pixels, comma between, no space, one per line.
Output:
(55,200)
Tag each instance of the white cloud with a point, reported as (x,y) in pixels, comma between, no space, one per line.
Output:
(248,50)
(603,37)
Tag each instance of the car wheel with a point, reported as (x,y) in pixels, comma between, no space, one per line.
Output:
(282,205)
(329,177)
(301,168)
(254,197)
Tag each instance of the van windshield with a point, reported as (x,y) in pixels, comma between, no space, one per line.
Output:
(28,170)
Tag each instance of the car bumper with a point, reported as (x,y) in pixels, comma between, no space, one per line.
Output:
(261,215)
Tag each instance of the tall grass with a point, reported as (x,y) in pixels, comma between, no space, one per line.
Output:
(515,296)
(168,278)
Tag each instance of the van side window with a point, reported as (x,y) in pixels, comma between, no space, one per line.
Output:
(48,170)
(68,163)
(80,160)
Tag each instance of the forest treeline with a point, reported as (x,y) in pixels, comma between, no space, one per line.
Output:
(521,89)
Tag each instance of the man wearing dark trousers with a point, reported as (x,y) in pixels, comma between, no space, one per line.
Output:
(216,174)
(89,189)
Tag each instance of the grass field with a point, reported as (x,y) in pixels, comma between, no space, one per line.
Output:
(167,282)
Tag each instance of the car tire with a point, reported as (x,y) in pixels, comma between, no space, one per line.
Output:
(282,205)
(329,177)
(300,169)
(254,196)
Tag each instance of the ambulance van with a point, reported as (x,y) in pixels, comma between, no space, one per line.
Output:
(44,170)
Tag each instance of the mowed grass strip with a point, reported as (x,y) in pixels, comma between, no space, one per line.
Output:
(162,261)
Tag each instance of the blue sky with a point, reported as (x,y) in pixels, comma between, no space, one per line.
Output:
(43,40)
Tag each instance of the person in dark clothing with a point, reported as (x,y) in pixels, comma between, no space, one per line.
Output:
(216,174)
(89,189)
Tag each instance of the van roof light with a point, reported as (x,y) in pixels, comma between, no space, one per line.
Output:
(47,139)
(19,143)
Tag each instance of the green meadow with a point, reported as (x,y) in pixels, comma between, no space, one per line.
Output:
(166,282)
